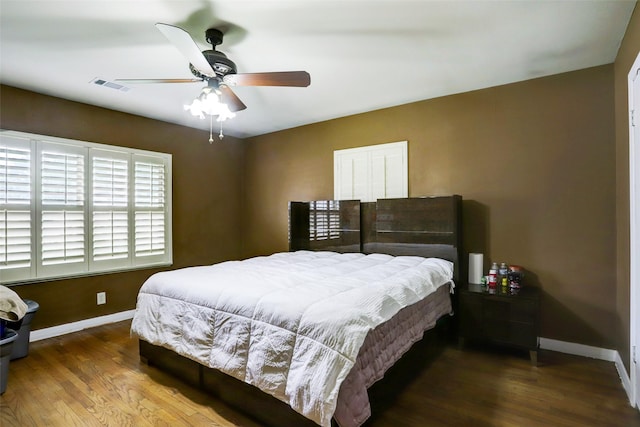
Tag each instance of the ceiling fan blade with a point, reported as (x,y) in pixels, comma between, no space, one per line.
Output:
(185,44)
(144,81)
(230,98)
(282,78)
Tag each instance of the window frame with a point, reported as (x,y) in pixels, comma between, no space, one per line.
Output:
(36,271)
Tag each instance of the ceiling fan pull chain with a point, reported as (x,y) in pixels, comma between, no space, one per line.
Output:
(210,129)
(221,135)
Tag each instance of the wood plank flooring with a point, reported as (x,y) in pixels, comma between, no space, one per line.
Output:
(95,378)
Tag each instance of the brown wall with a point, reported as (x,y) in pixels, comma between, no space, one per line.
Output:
(627,54)
(206,196)
(534,162)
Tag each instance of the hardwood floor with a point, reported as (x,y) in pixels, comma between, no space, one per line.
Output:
(95,378)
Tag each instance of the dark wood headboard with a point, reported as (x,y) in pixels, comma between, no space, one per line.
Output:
(418,226)
(421,226)
(328,225)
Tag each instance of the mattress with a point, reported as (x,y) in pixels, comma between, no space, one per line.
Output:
(291,324)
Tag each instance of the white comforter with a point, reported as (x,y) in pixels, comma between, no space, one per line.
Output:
(291,323)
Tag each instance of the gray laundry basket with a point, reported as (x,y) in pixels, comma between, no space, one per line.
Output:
(23,328)
(6,344)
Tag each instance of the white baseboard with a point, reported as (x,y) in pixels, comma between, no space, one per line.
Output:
(625,378)
(594,353)
(579,349)
(67,328)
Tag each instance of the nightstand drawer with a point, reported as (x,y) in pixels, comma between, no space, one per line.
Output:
(496,309)
(513,333)
(503,318)
(524,311)
(510,309)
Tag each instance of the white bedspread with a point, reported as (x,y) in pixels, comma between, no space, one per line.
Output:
(291,323)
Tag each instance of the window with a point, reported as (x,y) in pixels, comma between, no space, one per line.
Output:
(372,172)
(74,208)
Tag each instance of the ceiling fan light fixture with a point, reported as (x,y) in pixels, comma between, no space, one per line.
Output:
(208,103)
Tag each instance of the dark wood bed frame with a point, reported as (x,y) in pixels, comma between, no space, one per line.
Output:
(425,226)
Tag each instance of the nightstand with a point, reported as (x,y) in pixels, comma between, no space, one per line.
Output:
(504,317)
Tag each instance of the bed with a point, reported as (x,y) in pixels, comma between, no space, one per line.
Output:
(300,337)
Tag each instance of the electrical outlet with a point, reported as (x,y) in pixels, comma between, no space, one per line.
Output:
(101,298)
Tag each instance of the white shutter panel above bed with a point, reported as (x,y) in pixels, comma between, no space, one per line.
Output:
(371,172)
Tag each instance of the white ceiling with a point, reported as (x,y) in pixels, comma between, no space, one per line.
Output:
(362,55)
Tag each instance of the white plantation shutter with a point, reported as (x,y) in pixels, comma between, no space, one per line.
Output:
(70,208)
(63,209)
(15,238)
(372,172)
(150,237)
(110,206)
(110,235)
(62,237)
(16,202)
(15,175)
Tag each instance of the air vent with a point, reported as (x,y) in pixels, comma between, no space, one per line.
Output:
(112,85)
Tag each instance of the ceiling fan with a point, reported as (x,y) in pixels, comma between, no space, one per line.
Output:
(220,73)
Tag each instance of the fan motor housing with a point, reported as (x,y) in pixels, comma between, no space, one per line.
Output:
(219,62)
